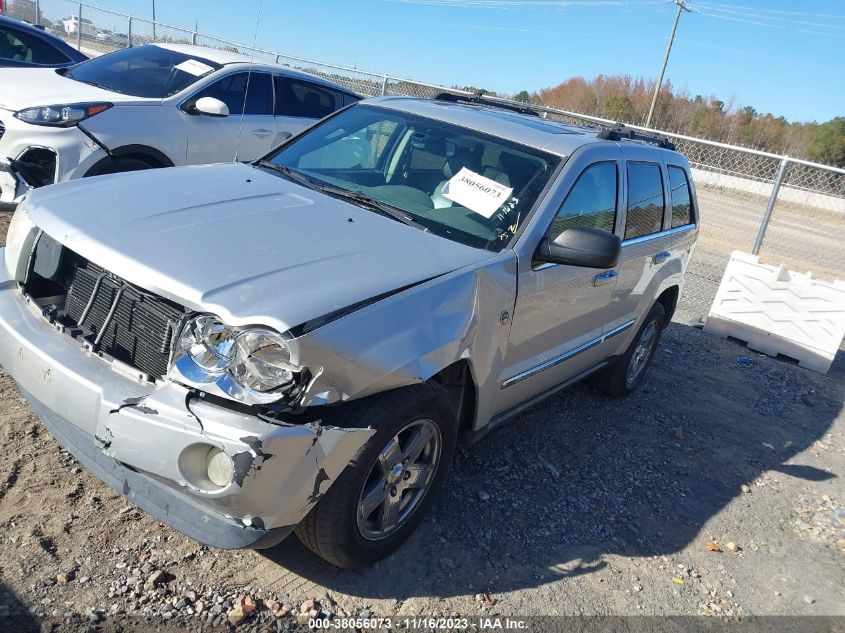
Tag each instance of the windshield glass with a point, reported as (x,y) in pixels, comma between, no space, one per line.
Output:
(143,71)
(461,184)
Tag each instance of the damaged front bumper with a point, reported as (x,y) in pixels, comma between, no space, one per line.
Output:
(33,156)
(148,440)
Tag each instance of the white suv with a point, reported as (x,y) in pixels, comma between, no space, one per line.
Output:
(157,105)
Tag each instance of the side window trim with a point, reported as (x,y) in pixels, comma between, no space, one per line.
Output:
(664,183)
(693,211)
(616,214)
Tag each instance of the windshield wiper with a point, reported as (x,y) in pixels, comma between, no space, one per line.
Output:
(95,84)
(289,173)
(357,197)
(367,201)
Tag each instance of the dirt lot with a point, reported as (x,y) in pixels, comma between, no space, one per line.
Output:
(583,505)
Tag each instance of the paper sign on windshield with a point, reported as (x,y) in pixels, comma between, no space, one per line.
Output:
(476,192)
(193,67)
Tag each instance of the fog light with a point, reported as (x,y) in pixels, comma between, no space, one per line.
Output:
(219,467)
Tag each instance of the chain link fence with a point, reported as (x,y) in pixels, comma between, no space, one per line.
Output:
(790,211)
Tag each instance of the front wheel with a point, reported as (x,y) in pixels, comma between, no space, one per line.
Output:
(623,375)
(384,493)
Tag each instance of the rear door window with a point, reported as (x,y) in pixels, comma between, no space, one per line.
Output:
(591,202)
(295,97)
(645,200)
(681,205)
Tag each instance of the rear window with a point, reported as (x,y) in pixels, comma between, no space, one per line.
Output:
(143,71)
(681,205)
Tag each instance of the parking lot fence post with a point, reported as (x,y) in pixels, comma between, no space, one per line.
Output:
(129,33)
(79,27)
(767,216)
(384,86)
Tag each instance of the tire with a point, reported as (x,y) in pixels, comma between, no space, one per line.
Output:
(333,529)
(118,166)
(622,376)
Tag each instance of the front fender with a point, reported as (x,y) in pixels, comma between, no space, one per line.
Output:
(409,337)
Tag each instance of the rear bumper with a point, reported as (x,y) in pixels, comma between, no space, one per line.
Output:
(149,441)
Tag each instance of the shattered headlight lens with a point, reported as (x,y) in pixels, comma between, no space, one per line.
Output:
(251,365)
(263,361)
(209,343)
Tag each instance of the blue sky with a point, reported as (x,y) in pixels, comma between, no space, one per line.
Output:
(779,56)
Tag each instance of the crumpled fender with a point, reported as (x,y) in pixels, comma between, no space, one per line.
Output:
(409,337)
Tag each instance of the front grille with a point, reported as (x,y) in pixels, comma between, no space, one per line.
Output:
(142,326)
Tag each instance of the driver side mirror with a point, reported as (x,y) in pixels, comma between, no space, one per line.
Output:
(581,246)
(211,107)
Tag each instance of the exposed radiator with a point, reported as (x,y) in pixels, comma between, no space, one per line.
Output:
(142,327)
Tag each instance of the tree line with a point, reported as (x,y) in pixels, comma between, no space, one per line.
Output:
(627,99)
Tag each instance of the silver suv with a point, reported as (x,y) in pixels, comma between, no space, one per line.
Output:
(248,350)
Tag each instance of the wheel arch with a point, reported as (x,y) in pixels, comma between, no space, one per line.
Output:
(459,381)
(669,299)
(150,155)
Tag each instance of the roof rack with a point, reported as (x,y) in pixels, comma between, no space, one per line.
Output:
(622,131)
(479,99)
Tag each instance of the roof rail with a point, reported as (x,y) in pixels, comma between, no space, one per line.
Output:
(479,99)
(622,131)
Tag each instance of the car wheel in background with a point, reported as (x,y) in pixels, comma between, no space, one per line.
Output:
(383,495)
(623,375)
(118,166)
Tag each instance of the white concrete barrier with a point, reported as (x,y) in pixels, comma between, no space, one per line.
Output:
(779,311)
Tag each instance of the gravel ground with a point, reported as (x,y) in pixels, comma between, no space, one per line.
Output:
(715,489)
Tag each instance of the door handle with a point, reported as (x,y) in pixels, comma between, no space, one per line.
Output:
(262,133)
(661,257)
(608,276)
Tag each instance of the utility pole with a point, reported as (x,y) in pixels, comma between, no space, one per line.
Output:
(154,20)
(681,7)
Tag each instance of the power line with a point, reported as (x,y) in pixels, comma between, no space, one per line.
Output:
(780,11)
(681,8)
(771,18)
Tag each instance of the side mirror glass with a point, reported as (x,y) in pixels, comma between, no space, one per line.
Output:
(211,107)
(581,246)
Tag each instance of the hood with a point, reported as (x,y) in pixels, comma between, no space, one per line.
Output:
(27,87)
(240,242)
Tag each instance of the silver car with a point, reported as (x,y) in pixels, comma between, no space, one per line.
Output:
(245,351)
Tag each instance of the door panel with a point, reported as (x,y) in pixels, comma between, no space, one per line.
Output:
(560,316)
(647,252)
(249,135)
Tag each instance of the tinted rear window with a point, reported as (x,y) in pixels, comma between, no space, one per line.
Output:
(681,206)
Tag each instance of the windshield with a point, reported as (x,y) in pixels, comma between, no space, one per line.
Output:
(143,71)
(461,184)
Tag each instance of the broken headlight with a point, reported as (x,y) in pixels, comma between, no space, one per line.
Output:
(251,365)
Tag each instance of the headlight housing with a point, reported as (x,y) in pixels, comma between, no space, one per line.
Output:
(19,239)
(251,365)
(62,115)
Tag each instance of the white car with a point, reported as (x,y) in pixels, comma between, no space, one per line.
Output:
(71,26)
(157,105)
